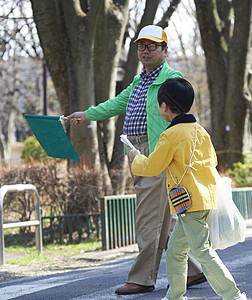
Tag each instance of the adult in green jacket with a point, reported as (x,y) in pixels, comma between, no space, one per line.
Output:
(118,105)
(143,126)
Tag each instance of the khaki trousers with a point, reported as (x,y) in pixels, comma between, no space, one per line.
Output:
(153,221)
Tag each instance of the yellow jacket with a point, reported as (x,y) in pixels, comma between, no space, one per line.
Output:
(174,150)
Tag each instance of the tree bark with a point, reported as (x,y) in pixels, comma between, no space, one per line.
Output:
(107,47)
(226,50)
(65,34)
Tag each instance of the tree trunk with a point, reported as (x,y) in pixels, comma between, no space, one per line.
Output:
(7,126)
(65,34)
(108,43)
(226,49)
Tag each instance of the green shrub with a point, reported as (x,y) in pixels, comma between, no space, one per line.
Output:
(242,172)
(33,150)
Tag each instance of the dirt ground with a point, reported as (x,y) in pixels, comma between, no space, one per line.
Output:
(56,265)
(61,264)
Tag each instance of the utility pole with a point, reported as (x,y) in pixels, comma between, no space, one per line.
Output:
(44,88)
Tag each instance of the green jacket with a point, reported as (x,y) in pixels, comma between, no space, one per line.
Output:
(118,105)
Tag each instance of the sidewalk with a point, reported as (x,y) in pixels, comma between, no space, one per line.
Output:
(109,255)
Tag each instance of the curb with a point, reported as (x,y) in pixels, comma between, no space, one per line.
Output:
(108,255)
(122,252)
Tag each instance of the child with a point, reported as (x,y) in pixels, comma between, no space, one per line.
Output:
(185,150)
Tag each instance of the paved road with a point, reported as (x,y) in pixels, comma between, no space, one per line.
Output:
(100,282)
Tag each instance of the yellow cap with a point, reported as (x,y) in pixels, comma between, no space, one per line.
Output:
(153,33)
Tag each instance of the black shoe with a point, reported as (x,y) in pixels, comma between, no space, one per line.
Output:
(196,281)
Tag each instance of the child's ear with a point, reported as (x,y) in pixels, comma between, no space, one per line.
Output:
(164,106)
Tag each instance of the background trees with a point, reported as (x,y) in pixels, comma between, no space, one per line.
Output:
(20,72)
(12,37)
(84,43)
(225,28)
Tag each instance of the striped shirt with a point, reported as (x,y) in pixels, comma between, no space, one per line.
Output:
(135,122)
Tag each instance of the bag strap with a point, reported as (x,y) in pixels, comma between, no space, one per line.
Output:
(190,161)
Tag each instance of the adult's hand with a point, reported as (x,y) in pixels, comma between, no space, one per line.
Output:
(77,118)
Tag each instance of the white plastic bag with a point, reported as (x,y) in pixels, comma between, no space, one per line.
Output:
(226,224)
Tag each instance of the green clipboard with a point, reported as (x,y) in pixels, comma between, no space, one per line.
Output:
(52,136)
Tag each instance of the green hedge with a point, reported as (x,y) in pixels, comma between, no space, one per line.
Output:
(33,150)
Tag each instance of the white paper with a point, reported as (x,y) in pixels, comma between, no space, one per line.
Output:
(61,119)
(125,140)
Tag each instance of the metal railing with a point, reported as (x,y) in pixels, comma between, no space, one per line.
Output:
(115,224)
(243,199)
(118,221)
(37,222)
(57,225)
(118,216)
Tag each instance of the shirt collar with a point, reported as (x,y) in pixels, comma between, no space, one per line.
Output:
(153,74)
(183,118)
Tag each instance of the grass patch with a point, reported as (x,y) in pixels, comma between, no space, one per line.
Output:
(26,256)
(33,257)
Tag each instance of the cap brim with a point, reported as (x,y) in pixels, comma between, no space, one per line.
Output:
(150,38)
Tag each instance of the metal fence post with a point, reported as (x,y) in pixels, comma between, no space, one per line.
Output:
(1,228)
(104,225)
(38,234)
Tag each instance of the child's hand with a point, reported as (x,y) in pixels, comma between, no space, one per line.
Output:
(133,153)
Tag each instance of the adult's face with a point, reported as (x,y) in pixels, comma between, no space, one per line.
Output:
(151,59)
